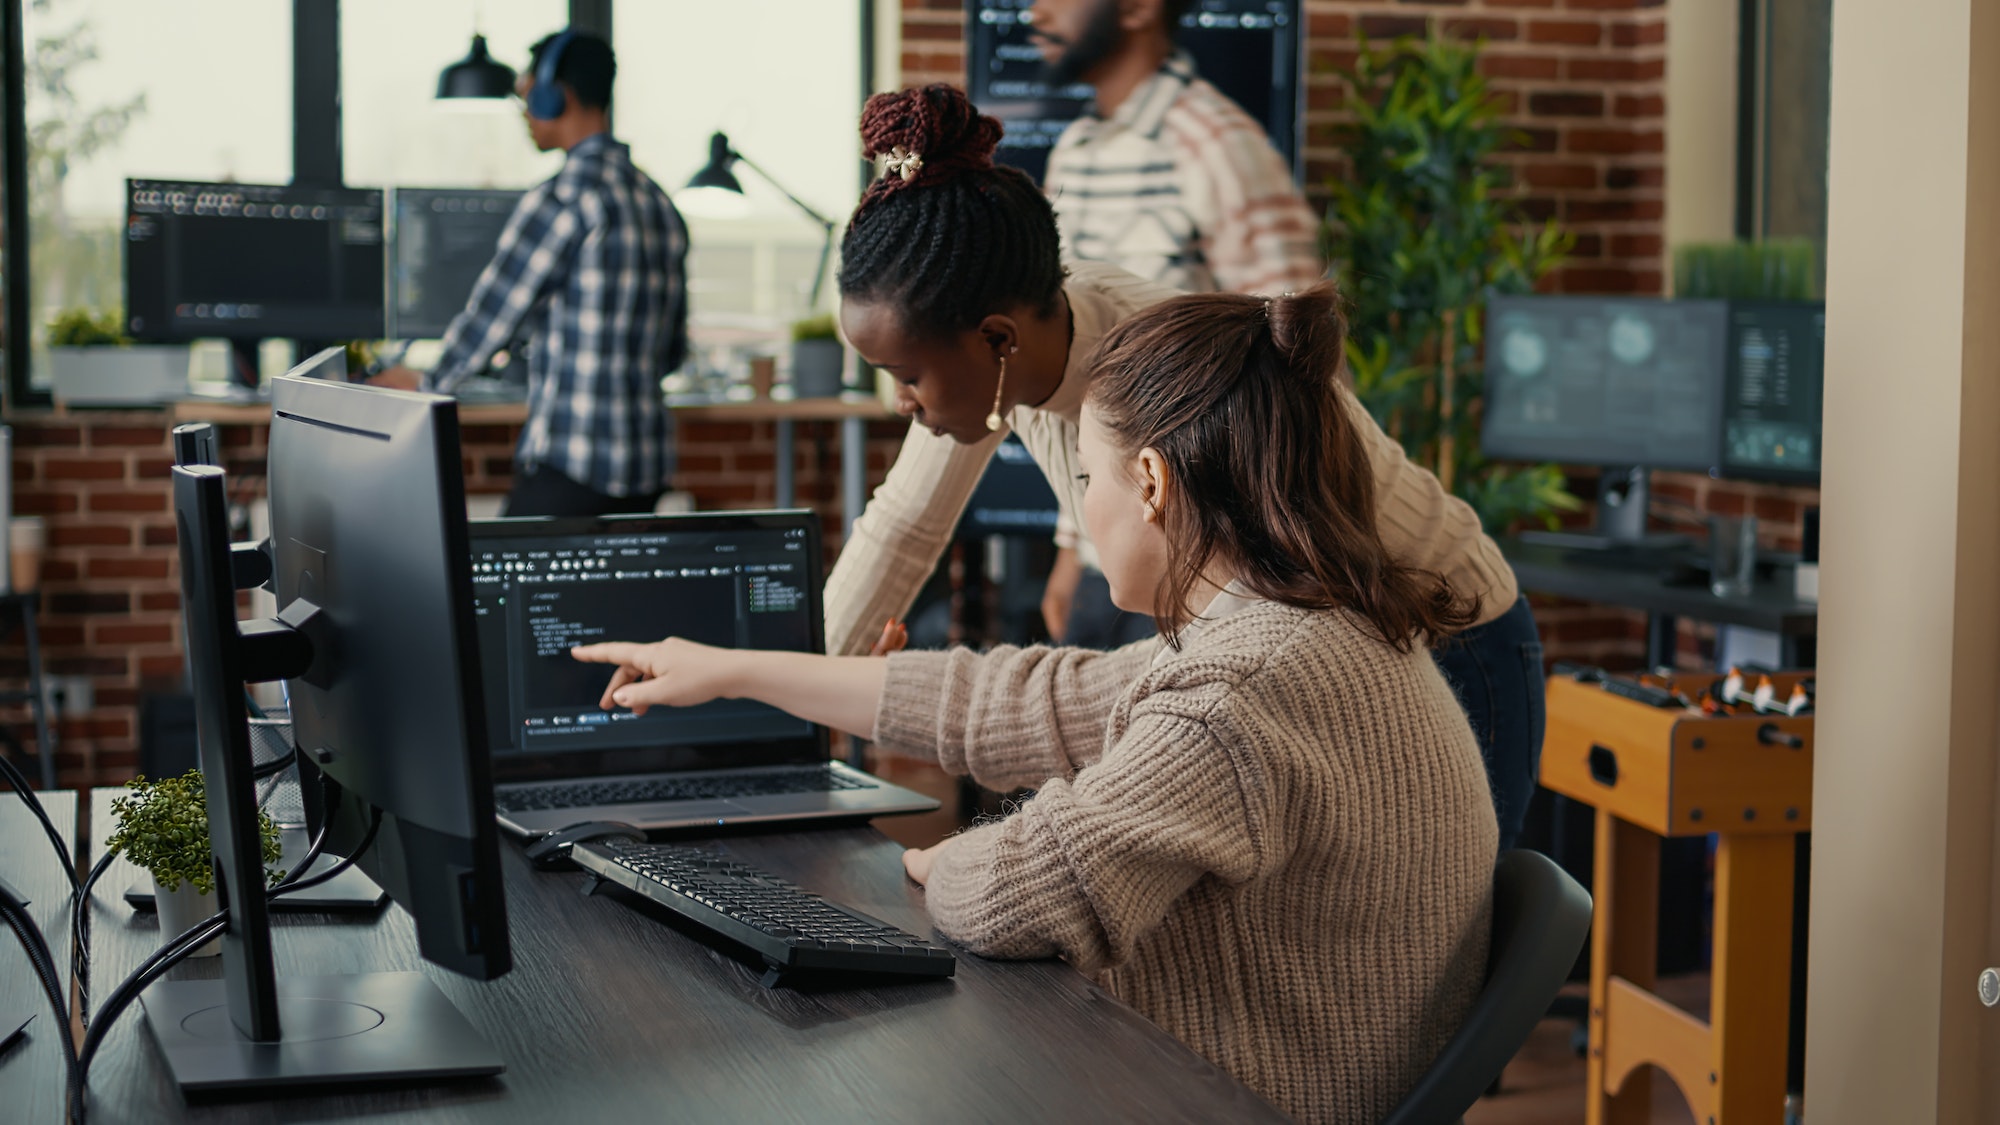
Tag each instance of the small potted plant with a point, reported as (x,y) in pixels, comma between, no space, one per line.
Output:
(163,827)
(93,363)
(817,358)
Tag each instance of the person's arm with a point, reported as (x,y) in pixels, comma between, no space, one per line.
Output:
(1088,868)
(534,253)
(1059,594)
(1258,233)
(1009,716)
(833,691)
(900,535)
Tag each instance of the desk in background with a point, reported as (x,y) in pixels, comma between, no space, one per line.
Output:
(32,1079)
(609,1013)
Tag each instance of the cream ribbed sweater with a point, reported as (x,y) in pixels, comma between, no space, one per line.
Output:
(1277,844)
(896,542)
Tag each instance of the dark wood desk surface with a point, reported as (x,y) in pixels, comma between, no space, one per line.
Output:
(1770,605)
(31,1073)
(611,1013)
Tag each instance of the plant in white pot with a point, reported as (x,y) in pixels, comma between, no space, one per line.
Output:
(817,358)
(93,363)
(163,827)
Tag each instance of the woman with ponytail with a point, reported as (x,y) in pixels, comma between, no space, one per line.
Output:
(1268,829)
(951,281)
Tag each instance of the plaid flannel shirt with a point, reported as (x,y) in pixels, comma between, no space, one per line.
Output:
(593,262)
(1182,187)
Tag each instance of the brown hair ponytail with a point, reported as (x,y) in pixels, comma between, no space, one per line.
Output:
(1240,397)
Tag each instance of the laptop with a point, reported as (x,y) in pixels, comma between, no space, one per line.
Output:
(732,579)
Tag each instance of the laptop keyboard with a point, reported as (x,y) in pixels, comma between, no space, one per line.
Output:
(792,929)
(640,791)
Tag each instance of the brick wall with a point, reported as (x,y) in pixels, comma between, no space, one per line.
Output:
(110,604)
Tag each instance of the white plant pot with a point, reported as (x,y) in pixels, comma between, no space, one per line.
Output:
(180,909)
(134,376)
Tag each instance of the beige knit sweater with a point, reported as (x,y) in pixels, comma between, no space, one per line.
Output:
(1277,844)
(896,542)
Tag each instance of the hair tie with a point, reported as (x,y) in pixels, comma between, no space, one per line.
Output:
(903,162)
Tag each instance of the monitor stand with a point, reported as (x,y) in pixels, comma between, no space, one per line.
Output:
(253,1029)
(1623,499)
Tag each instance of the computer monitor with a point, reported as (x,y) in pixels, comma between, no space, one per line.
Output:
(247,261)
(1251,50)
(440,240)
(1771,411)
(375,637)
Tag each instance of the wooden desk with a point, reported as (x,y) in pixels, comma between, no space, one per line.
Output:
(31,1073)
(609,1013)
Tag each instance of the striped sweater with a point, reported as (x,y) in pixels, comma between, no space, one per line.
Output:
(1277,843)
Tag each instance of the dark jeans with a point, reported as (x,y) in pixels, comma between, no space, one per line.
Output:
(542,491)
(1496,669)
(1094,622)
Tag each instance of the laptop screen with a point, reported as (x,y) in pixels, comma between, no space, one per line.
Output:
(735,580)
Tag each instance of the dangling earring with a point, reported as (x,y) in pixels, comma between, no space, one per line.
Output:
(993,419)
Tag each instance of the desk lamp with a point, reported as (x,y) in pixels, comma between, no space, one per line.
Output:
(715,192)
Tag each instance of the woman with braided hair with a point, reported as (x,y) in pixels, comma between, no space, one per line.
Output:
(951,281)
(1270,831)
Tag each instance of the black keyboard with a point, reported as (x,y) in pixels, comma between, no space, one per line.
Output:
(582,794)
(792,929)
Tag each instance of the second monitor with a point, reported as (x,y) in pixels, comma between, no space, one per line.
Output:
(440,240)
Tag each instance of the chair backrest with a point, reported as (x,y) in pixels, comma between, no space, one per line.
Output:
(1540,919)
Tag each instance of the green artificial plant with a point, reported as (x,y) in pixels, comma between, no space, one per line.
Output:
(81,328)
(1419,233)
(1778,269)
(818,327)
(163,827)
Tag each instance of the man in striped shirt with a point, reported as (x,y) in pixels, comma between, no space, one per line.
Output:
(593,262)
(1166,178)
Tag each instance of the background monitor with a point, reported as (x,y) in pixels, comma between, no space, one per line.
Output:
(247,261)
(368,525)
(440,240)
(1605,381)
(1771,412)
(1252,50)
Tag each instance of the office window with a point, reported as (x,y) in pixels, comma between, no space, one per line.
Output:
(783,79)
(395,132)
(194,90)
(1785,120)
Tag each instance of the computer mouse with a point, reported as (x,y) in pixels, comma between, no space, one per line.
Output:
(551,852)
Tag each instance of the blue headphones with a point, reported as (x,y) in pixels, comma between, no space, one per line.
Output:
(546,101)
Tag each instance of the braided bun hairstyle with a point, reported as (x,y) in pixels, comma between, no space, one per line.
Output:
(1242,398)
(961,237)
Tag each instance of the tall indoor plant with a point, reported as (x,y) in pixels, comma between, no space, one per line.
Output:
(1419,232)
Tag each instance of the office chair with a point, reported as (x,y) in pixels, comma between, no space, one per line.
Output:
(1540,919)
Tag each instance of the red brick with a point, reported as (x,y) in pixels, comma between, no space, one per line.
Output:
(1566,103)
(30,435)
(126,436)
(128,501)
(1389,27)
(162,468)
(1635,245)
(1648,34)
(1490,29)
(1640,105)
(1604,5)
(99,665)
(1614,210)
(1328,25)
(44,503)
(1558,176)
(70,468)
(128,568)
(1532,140)
(162,600)
(1577,33)
(59,570)
(90,535)
(159,535)
(917,32)
(109,634)
(1520,3)
(160,667)
(1615,70)
(1623,177)
(1519,66)
(1619,142)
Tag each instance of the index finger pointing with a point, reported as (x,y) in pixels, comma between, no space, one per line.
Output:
(610,652)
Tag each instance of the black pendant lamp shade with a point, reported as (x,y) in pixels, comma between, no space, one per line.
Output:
(477,75)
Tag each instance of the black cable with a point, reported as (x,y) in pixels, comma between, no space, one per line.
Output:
(292,882)
(27,792)
(79,936)
(39,958)
(275,765)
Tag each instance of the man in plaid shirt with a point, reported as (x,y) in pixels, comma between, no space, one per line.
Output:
(1166,178)
(593,262)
